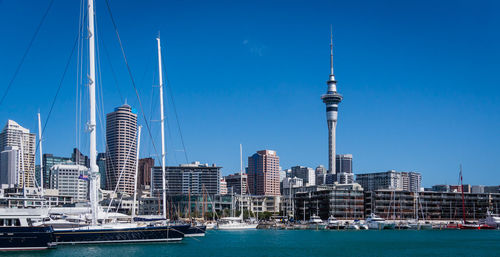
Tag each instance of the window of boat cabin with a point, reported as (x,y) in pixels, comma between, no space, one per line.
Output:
(10,222)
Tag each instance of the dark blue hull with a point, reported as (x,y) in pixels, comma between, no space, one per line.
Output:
(26,238)
(125,235)
(195,231)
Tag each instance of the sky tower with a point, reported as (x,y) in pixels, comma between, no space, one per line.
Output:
(331,99)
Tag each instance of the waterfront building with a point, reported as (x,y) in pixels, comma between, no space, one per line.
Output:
(71,180)
(259,203)
(331,99)
(121,141)
(339,201)
(145,167)
(477,189)
(101,164)
(13,135)
(194,179)
(492,189)
(263,173)
(407,181)
(440,188)
(307,175)
(390,204)
(458,188)
(223,187)
(235,182)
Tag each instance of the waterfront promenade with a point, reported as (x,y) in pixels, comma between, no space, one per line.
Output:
(304,243)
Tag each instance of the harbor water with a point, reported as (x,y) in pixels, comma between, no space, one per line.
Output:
(302,243)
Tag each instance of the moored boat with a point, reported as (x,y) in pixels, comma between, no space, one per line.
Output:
(120,233)
(18,233)
(376,222)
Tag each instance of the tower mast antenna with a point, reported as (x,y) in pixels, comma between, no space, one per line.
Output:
(332,77)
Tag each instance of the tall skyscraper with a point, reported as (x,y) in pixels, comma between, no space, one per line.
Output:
(343,164)
(121,141)
(331,100)
(263,173)
(15,135)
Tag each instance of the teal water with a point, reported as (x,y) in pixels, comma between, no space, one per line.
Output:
(302,243)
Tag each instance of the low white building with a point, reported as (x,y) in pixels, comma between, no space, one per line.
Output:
(71,180)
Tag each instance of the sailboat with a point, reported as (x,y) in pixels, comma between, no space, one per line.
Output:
(109,232)
(236,223)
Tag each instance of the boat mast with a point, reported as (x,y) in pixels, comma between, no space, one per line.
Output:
(22,170)
(94,172)
(463,198)
(162,122)
(136,171)
(241,180)
(41,158)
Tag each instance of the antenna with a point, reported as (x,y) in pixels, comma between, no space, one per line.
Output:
(331,50)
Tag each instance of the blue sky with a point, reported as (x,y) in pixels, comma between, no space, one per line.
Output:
(419,79)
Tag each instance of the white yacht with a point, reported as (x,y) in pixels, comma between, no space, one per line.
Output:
(315,222)
(234,223)
(333,223)
(492,220)
(419,225)
(376,222)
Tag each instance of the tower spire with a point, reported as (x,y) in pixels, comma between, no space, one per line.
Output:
(331,53)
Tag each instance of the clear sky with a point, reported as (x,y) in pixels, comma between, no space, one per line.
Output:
(419,79)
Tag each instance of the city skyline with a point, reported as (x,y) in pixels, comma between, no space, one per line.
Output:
(431,113)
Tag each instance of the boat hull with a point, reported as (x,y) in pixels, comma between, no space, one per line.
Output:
(26,238)
(195,231)
(125,235)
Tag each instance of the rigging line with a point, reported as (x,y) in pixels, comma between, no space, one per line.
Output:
(68,62)
(131,77)
(169,86)
(115,78)
(30,44)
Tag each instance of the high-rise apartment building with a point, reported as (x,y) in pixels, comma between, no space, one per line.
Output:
(263,173)
(194,179)
(308,175)
(9,161)
(392,180)
(121,142)
(235,182)
(13,135)
(145,167)
(223,187)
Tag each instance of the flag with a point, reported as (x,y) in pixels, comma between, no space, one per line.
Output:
(83,177)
